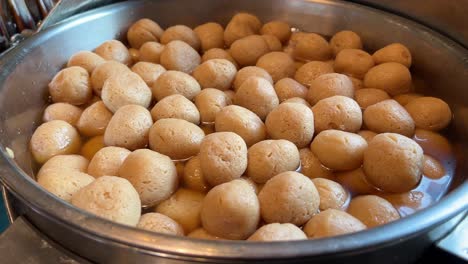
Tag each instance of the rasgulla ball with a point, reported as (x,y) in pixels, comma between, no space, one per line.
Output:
(332,194)
(288,88)
(369,96)
(297,100)
(278,64)
(432,168)
(429,113)
(148,71)
(160,223)
(209,102)
(353,62)
(311,166)
(85,59)
(310,47)
(288,197)
(278,232)
(328,85)
(257,95)
(434,144)
(293,122)
(63,183)
(71,85)
(241,121)
(183,33)
(175,82)
(271,157)
(223,157)
(179,56)
(110,197)
(91,146)
(211,36)
(183,206)
(129,128)
(62,111)
(355,181)
(215,73)
(142,31)
(193,178)
(339,150)
(279,29)
(389,116)
(250,71)
(231,210)
(367,134)
(107,161)
(337,112)
(151,52)
(308,72)
(345,39)
(125,89)
(103,71)
(393,162)
(247,50)
(372,210)
(392,77)
(395,52)
(65,162)
(405,98)
(176,138)
(218,53)
(153,175)
(176,106)
(114,50)
(273,42)
(332,222)
(241,25)
(94,120)
(54,138)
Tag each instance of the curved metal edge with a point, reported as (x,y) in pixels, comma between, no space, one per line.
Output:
(8,205)
(162,245)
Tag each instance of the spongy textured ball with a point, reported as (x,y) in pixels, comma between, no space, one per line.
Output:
(64,183)
(332,194)
(107,161)
(71,85)
(278,64)
(345,39)
(279,29)
(143,30)
(103,71)
(85,59)
(308,72)
(332,222)
(114,50)
(288,88)
(215,73)
(392,77)
(209,102)
(62,111)
(389,116)
(369,96)
(311,166)
(179,56)
(247,50)
(278,232)
(337,112)
(241,25)
(182,33)
(211,35)
(151,52)
(250,71)
(94,120)
(148,71)
(328,85)
(257,95)
(394,52)
(176,106)
(372,210)
(353,62)
(175,82)
(160,223)
(429,113)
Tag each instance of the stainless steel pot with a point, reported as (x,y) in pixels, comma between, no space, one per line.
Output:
(26,70)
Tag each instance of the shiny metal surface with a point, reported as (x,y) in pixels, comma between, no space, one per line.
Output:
(457,242)
(27,69)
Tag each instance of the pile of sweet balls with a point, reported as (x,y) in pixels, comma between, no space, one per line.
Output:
(267,135)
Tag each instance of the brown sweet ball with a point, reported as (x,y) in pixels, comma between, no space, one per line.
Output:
(151,52)
(241,25)
(278,64)
(273,42)
(429,113)
(63,163)
(230,94)
(357,83)
(332,194)
(311,166)
(176,106)
(64,183)
(149,72)
(179,56)
(328,85)
(153,175)
(125,89)
(331,223)
(297,100)
(223,157)
(312,47)
(353,62)
(94,120)
(53,138)
(389,116)
(367,134)
(433,144)
(247,50)
(404,99)
(112,198)
(91,146)
(337,112)
(211,36)
(142,31)
(241,121)
(395,52)
(160,223)
(62,111)
(201,233)
(250,71)
(293,122)
(288,88)
(193,177)
(182,33)
(339,150)
(71,85)
(355,181)
(279,29)
(278,232)
(372,210)
(129,128)
(176,138)
(392,77)
(218,54)
(85,59)
(369,96)
(257,95)
(288,197)
(308,72)
(255,187)
(231,210)
(270,157)
(107,161)
(432,168)
(103,71)
(393,162)
(215,73)
(209,102)
(345,39)
(183,206)
(134,54)
(114,50)
(175,82)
